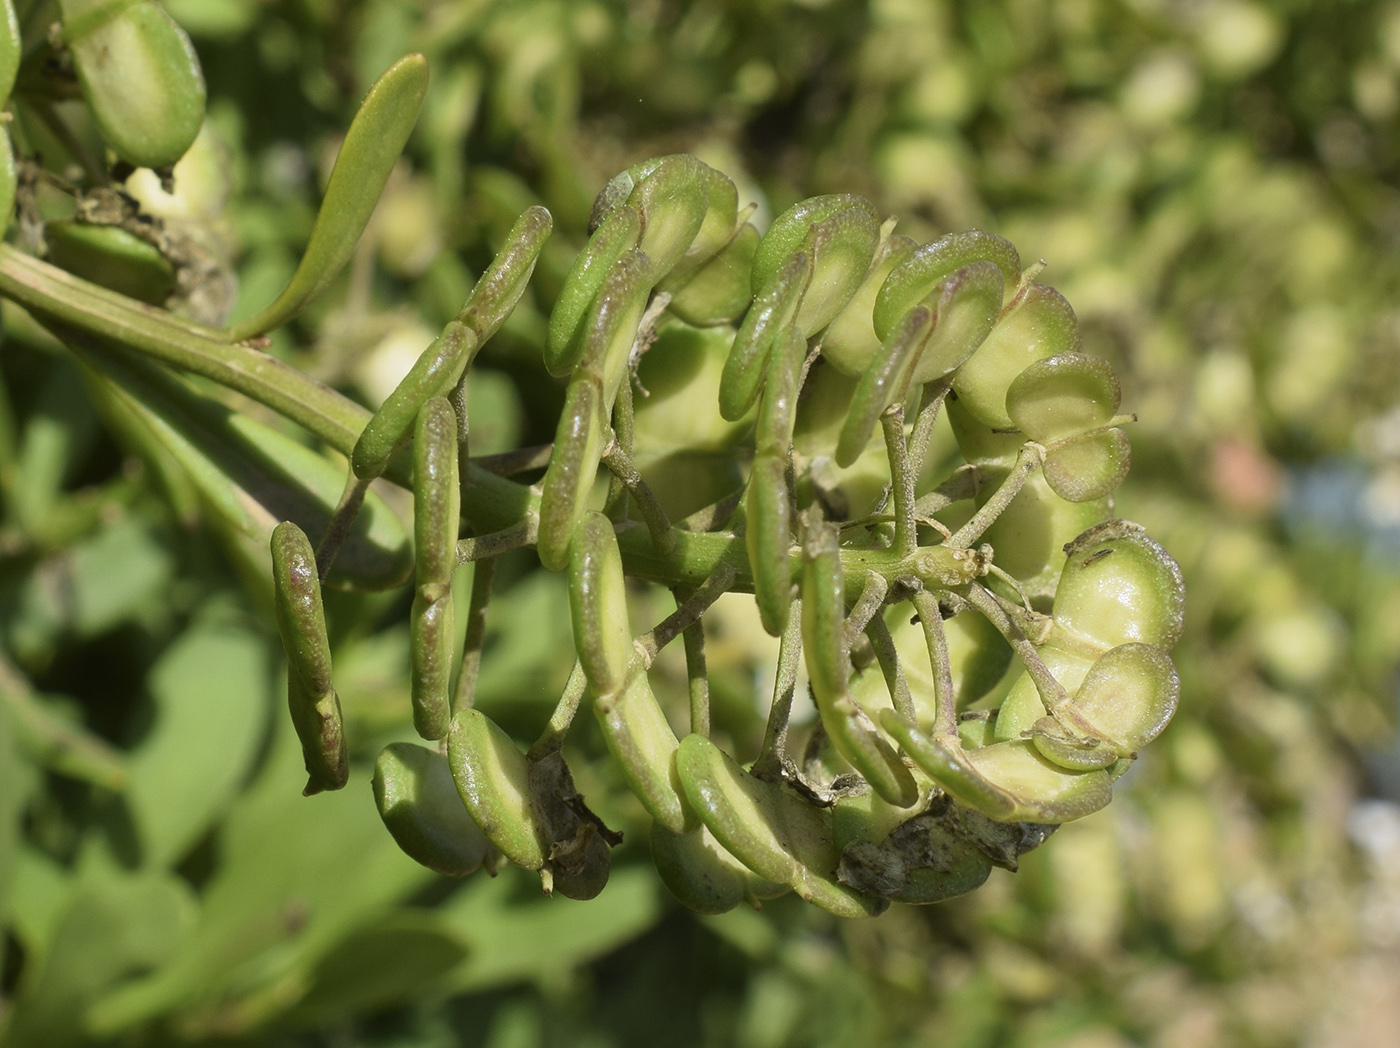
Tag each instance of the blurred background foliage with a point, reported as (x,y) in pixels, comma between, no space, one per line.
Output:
(1213,184)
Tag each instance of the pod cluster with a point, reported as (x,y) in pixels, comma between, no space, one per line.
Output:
(986,649)
(904,455)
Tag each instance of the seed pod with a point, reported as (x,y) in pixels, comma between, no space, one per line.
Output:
(850,340)
(312,700)
(436,522)
(840,233)
(886,381)
(829,668)
(422,810)
(768,504)
(9,179)
(139,75)
(716,231)
(598,605)
(720,290)
(1007,781)
(915,279)
(702,875)
(436,371)
(889,853)
(111,257)
(11,50)
(966,308)
(582,434)
(493,780)
(765,324)
(644,746)
(1037,324)
(773,832)
(614,237)
(371,148)
(1119,586)
(496,294)
(673,197)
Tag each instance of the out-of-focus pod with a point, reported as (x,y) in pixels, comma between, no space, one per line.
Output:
(422,810)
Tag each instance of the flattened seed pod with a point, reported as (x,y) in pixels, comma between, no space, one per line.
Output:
(436,522)
(916,278)
(702,875)
(598,605)
(850,340)
(1038,323)
(10,49)
(493,780)
(610,241)
(829,668)
(139,75)
(768,530)
(673,198)
(719,292)
(314,705)
(768,319)
(421,808)
(1120,586)
(885,382)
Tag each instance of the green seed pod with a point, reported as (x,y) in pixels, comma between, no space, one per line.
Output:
(702,875)
(435,372)
(720,290)
(1037,324)
(673,198)
(967,307)
(840,232)
(496,294)
(1128,697)
(1022,707)
(111,257)
(437,496)
(314,705)
(768,504)
(1075,752)
(775,833)
(1063,396)
(431,629)
(598,605)
(1119,587)
(1088,467)
(139,75)
(367,156)
(610,241)
(11,50)
(493,780)
(644,746)
(915,279)
(1007,781)
(886,381)
(849,341)
(769,317)
(422,810)
(829,669)
(716,231)
(9,180)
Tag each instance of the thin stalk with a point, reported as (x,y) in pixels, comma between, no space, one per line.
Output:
(906,537)
(773,757)
(482,576)
(552,738)
(1030,459)
(620,465)
(620,448)
(688,613)
(482,547)
(929,405)
(509,463)
(887,655)
(872,598)
(945,712)
(1052,692)
(693,636)
(338,529)
(962,484)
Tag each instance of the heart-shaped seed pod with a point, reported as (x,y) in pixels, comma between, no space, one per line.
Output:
(1088,467)
(1119,586)
(923,272)
(311,697)
(1038,323)
(1007,781)
(721,289)
(422,810)
(772,831)
(1127,698)
(140,77)
(840,232)
(965,308)
(849,341)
